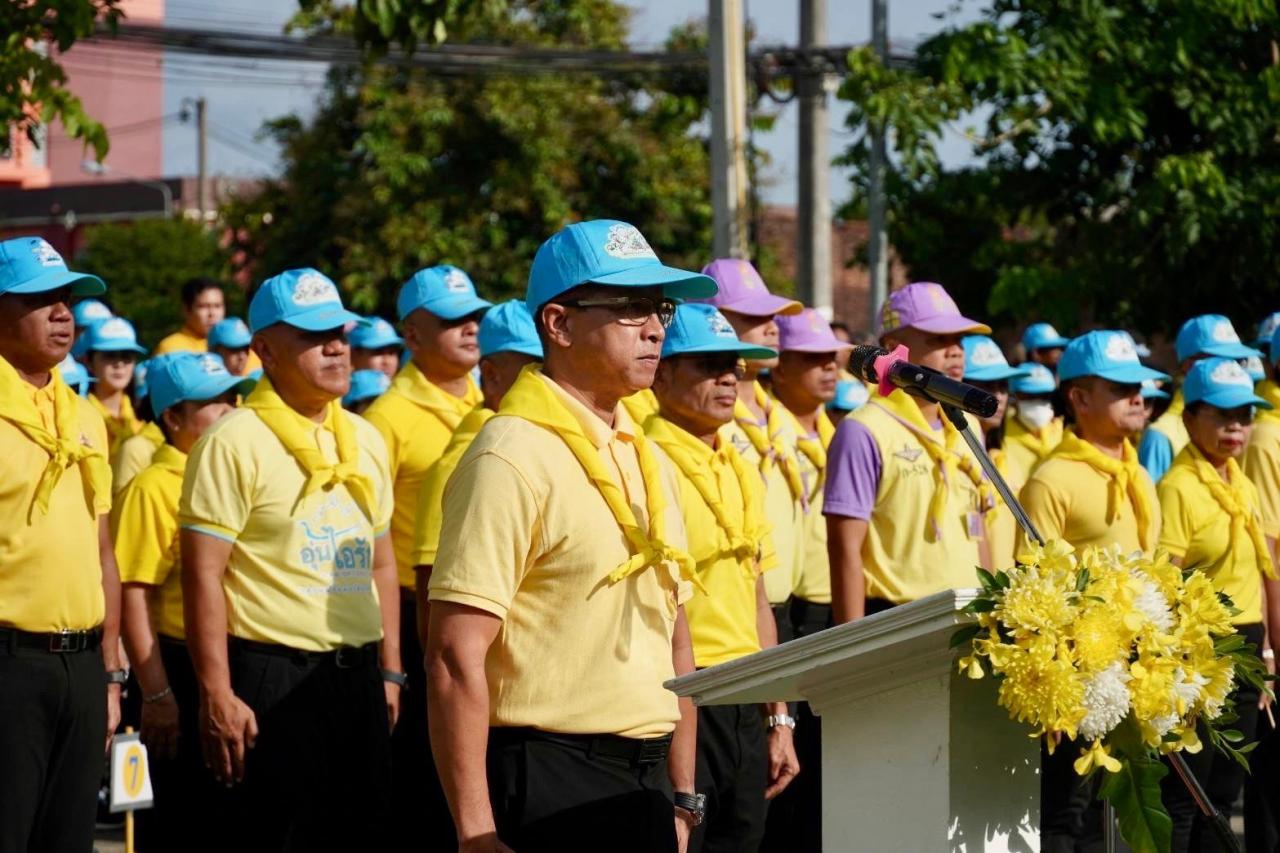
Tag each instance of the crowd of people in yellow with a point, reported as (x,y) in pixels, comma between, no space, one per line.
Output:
(369,587)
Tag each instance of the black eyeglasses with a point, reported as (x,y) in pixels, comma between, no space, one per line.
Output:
(631,310)
(718,364)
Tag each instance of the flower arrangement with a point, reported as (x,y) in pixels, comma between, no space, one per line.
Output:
(1131,655)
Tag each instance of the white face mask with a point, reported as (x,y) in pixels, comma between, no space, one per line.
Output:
(1034,414)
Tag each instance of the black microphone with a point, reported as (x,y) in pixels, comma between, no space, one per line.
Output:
(892,370)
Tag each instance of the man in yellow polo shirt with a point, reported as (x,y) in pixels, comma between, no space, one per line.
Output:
(740,767)
(189,393)
(203,306)
(1032,429)
(288,585)
(557,592)
(429,397)
(60,670)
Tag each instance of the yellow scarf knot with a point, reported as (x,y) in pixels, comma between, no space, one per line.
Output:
(1124,479)
(768,443)
(1233,497)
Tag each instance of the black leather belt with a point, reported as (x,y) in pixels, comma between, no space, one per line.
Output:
(55,642)
(343,657)
(632,751)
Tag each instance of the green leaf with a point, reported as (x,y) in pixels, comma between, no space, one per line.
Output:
(987,580)
(964,635)
(1134,793)
(980,605)
(1082,580)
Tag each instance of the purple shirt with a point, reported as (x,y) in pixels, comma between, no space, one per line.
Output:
(853,472)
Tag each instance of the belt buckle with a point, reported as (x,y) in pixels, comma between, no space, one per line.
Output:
(345,657)
(63,641)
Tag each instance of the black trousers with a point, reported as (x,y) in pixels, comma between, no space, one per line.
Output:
(557,793)
(1221,778)
(794,823)
(733,771)
(319,777)
(53,730)
(1262,790)
(782,619)
(420,816)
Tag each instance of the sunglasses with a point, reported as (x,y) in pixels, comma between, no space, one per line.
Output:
(630,310)
(718,364)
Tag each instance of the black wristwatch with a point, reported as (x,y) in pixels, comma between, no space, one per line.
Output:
(117,676)
(394,677)
(694,804)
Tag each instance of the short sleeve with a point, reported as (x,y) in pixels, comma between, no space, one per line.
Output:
(490,527)
(1176,529)
(1046,509)
(143,529)
(216,489)
(1155,453)
(853,472)
(1262,466)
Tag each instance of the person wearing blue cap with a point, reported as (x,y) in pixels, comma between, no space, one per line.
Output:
(851,395)
(1211,521)
(1044,345)
(75,375)
(1153,396)
(1266,329)
(112,350)
(86,313)
(366,386)
(746,753)
(558,589)
(1032,426)
(288,586)
(59,588)
(229,339)
(189,393)
(1200,337)
(376,346)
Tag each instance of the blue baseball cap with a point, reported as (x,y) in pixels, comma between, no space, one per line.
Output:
(1042,336)
(87,311)
(1266,329)
(984,361)
(444,290)
(115,334)
(1152,391)
(31,265)
(698,327)
(231,333)
(1037,379)
(850,395)
(1210,334)
(303,298)
(374,333)
(508,327)
(1254,366)
(366,384)
(608,252)
(75,375)
(190,376)
(1222,383)
(1108,353)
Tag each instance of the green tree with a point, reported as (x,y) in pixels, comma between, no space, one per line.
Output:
(1128,168)
(144,265)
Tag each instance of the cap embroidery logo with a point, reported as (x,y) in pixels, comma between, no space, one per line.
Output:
(815,321)
(312,288)
(1040,373)
(1120,348)
(719,326)
(889,319)
(46,254)
(1224,333)
(1268,327)
(95,311)
(749,279)
(627,243)
(211,365)
(986,354)
(1253,364)
(1047,331)
(455,281)
(939,298)
(1230,373)
(115,328)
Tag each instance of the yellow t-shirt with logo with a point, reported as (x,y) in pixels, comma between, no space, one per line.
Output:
(50,568)
(722,620)
(144,529)
(426,532)
(1024,449)
(300,572)
(1067,499)
(1195,528)
(416,419)
(813,576)
(529,539)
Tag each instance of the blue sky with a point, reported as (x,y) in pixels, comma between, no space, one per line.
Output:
(242,94)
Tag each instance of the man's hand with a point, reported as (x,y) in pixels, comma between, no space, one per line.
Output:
(113,712)
(228,728)
(160,727)
(393,702)
(783,764)
(684,826)
(487,843)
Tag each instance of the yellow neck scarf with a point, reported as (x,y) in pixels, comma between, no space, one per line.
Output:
(1041,442)
(65,446)
(767,440)
(469,427)
(947,458)
(1125,479)
(1269,391)
(530,398)
(414,386)
(814,447)
(1233,497)
(694,459)
(122,426)
(297,434)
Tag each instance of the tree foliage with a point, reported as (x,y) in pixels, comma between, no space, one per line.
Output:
(400,170)
(1128,170)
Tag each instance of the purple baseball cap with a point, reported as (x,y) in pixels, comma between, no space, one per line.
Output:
(928,307)
(742,291)
(808,331)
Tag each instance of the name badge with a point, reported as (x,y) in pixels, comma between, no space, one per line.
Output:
(976,529)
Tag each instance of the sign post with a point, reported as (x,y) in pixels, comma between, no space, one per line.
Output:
(130,780)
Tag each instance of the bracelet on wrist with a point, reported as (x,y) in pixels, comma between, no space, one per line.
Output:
(394,677)
(156,697)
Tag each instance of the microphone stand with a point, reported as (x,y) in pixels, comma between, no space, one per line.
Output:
(1219,822)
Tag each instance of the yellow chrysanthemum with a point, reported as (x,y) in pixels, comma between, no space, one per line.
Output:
(1100,637)
(1038,601)
(1043,690)
(1096,756)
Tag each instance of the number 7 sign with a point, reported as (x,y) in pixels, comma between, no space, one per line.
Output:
(130,774)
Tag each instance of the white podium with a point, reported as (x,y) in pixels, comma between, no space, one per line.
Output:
(915,757)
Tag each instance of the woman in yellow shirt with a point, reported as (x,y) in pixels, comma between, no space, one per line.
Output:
(112,349)
(1211,522)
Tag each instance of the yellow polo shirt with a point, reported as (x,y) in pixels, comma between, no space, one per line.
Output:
(144,528)
(133,454)
(528,538)
(1067,499)
(813,575)
(1002,527)
(300,572)
(1261,464)
(50,569)
(184,341)
(416,419)
(426,532)
(1196,529)
(722,620)
(1024,449)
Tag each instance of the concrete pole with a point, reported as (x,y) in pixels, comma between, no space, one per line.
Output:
(878,241)
(813,233)
(727,54)
(202,147)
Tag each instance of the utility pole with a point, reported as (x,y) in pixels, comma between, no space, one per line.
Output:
(727,55)
(813,235)
(878,242)
(202,147)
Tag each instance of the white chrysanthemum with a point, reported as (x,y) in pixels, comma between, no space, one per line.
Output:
(1163,724)
(1151,603)
(1106,701)
(1187,691)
